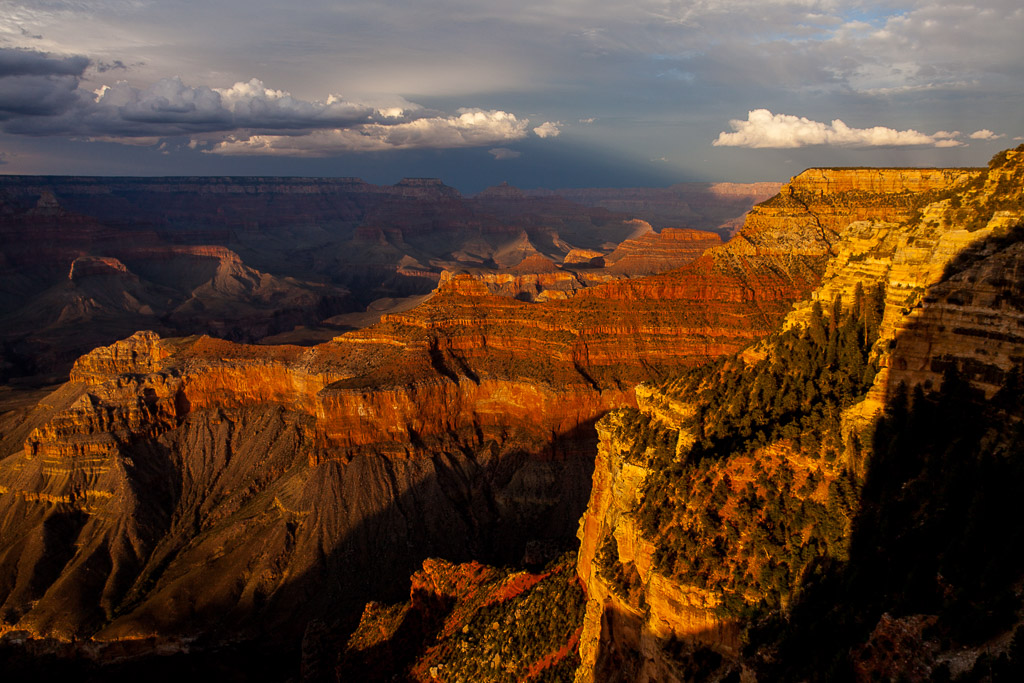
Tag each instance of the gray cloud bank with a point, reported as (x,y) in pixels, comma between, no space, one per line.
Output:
(647,79)
(40,95)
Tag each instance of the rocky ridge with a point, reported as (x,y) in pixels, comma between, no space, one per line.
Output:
(301,252)
(177,478)
(463,420)
(942,257)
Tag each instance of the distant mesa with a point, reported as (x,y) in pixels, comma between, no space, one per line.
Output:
(649,252)
(584,257)
(86,266)
(426,188)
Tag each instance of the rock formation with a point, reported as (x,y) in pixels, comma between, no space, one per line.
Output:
(179,477)
(256,258)
(471,622)
(281,487)
(922,271)
(655,253)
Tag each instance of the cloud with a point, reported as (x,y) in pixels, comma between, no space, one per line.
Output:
(762,130)
(35,84)
(984,134)
(503,153)
(171,107)
(471,128)
(117,64)
(40,96)
(548,129)
(27,96)
(20,62)
(921,58)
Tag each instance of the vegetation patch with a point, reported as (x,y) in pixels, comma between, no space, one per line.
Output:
(762,500)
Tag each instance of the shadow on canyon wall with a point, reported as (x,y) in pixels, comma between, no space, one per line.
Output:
(473,502)
(935,553)
(623,654)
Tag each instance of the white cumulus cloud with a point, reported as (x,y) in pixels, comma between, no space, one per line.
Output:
(40,95)
(548,129)
(763,129)
(470,128)
(985,134)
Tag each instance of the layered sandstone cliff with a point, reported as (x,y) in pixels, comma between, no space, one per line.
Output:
(175,479)
(178,478)
(937,251)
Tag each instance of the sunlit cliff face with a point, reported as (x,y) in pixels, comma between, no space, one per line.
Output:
(745,488)
(181,478)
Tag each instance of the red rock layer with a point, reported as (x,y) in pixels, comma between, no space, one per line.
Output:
(658,252)
(178,479)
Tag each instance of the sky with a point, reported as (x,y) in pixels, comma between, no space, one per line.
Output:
(553,93)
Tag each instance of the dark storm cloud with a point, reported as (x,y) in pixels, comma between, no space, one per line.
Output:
(16,62)
(663,78)
(36,96)
(36,84)
(250,118)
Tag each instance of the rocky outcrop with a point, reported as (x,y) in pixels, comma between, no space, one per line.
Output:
(943,250)
(626,627)
(471,622)
(589,257)
(658,252)
(824,201)
(85,266)
(220,477)
(175,479)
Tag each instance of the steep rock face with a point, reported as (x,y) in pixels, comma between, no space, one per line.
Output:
(184,477)
(175,479)
(825,201)
(941,262)
(656,253)
(627,623)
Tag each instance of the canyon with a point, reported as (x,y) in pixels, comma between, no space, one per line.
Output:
(289,260)
(947,302)
(200,496)
(459,427)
